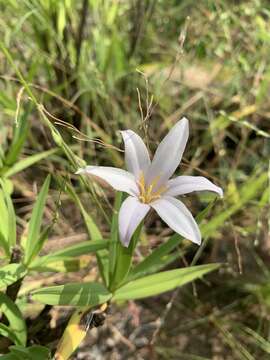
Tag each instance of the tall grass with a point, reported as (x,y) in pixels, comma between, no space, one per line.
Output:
(91,68)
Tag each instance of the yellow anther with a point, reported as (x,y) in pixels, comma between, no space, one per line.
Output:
(147,194)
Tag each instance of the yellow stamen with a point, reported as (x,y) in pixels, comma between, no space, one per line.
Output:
(147,194)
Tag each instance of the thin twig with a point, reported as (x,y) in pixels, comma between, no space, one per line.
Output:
(81,136)
(161,320)
(149,104)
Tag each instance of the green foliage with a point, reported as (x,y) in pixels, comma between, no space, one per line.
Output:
(248,191)
(164,281)
(124,260)
(35,352)
(27,162)
(114,237)
(85,247)
(11,273)
(92,228)
(8,333)
(34,239)
(8,223)
(76,294)
(158,259)
(21,129)
(16,322)
(94,233)
(69,82)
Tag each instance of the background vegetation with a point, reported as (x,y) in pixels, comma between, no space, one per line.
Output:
(95,67)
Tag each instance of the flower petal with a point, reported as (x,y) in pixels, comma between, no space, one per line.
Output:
(136,154)
(119,179)
(168,154)
(186,184)
(175,214)
(131,214)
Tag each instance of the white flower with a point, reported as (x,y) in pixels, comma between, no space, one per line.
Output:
(149,184)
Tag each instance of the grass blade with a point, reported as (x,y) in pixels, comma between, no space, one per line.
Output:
(161,282)
(13,314)
(35,221)
(76,294)
(70,252)
(27,162)
(10,273)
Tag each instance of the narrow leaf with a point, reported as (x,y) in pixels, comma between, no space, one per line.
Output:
(19,137)
(159,283)
(4,215)
(13,314)
(28,161)
(248,191)
(76,294)
(8,216)
(7,332)
(82,248)
(124,260)
(114,236)
(41,240)
(35,221)
(89,222)
(156,257)
(10,273)
(4,244)
(35,352)
(94,233)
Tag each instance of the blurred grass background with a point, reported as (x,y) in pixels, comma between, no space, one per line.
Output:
(101,66)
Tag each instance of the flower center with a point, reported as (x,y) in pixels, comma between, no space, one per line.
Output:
(149,193)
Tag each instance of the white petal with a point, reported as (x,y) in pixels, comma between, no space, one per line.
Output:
(136,154)
(169,153)
(131,214)
(187,184)
(175,214)
(119,179)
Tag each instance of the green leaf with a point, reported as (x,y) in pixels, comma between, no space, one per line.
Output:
(35,352)
(114,236)
(13,314)
(103,265)
(28,161)
(4,216)
(61,19)
(76,294)
(156,258)
(41,240)
(82,248)
(4,244)
(248,191)
(92,228)
(35,221)
(256,338)
(124,260)
(202,214)
(10,273)
(9,356)
(19,137)
(94,233)
(11,223)
(159,283)
(8,223)
(156,266)
(7,332)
